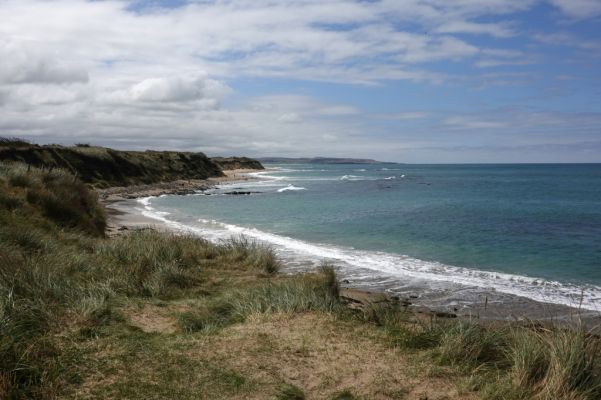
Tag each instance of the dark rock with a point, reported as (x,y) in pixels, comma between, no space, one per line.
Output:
(350,300)
(444,314)
(239,193)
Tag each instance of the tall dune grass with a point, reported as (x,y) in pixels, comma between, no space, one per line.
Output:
(505,361)
(58,273)
(298,294)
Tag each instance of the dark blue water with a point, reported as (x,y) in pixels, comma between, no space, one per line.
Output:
(513,227)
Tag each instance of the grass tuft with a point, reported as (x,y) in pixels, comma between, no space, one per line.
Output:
(574,367)
(298,294)
(331,280)
(471,344)
(254,254)
(290,392)
(343,395)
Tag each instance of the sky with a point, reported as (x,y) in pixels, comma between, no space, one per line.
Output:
(416,81)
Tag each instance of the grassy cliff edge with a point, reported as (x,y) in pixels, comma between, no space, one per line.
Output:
(104,167)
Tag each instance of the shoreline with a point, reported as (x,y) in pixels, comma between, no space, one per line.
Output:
(119,220)
(179,187)
(496,306)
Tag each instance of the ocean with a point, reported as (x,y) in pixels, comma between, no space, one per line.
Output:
(450,235)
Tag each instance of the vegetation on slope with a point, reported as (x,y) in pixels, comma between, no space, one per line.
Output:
(157,315)
(229,163)
(104,167)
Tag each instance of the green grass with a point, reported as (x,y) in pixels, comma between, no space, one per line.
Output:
(58,274)
(290,392)
(343,395)
(294,295)
(105,167)
(504,361)
(256,254)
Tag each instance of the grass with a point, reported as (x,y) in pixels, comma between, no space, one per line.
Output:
(296,295)
(290,392)
(139,315)
(105,167)
(343,395)
(504,361)
(58,273)
(255,253)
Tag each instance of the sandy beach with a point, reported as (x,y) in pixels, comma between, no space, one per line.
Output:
(122,218)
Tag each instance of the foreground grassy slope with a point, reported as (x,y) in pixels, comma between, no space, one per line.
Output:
(152,315)
(104,167)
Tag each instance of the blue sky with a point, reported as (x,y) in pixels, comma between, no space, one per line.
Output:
(421,81)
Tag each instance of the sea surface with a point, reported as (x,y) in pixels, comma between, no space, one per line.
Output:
(451,235)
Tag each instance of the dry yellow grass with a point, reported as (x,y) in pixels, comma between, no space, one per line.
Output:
(316,352)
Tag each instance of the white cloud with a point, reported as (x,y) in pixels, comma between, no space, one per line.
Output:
(99,71)
(466,122)
(579,8)
(291,117)
(26,62)
(258,38)
(179,89)
(403,116)
(567,39)
(493,29)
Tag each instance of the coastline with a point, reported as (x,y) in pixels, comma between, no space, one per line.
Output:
(79,304)
(122,219)
(179,187)
(494,306)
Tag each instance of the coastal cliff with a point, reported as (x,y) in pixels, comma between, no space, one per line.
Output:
(231,163)
(104,167)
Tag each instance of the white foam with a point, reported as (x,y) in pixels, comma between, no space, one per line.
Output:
(290,187)
(145,201)
(398,266)
(265,174)
(390,177)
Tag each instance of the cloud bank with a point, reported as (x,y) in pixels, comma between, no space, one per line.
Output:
(140,74)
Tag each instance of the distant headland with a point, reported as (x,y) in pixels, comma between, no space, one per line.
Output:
(319,160)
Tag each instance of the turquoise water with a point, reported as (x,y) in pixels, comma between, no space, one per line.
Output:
(527,230)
